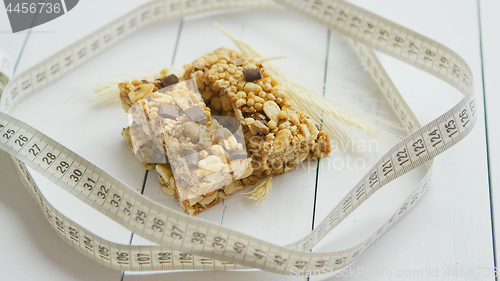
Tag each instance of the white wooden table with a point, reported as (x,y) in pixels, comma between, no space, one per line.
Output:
(451,230)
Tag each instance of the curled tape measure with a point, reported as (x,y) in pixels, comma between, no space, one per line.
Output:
(188,243)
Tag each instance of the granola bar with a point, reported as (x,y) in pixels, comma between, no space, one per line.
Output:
(278,133)
(145,150)
(203,155)
(195,204)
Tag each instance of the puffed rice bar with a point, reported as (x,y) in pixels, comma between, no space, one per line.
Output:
(278,133)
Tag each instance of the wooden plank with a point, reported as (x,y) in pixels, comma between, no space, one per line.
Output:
(450,230)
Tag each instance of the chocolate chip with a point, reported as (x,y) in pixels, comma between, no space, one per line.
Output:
(195,113)
(145,81)
(238,61)
(252,74)
(237,154)
(168,111)
(169,80)
(192,159)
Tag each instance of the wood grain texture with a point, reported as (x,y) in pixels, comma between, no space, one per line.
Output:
(450,229)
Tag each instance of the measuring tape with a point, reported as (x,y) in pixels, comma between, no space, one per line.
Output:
(188,243)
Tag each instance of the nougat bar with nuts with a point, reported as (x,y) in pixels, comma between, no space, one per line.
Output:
(204,156)
(278,133)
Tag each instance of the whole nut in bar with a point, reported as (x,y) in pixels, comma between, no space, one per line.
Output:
(212,163)
(195,113)
(208,199)
(169,80)
(140,92)
(222,195)
(282,139)
(192,159)
(195,199)
(247,173)
(272,110)
(181,98)
(192,131)
(230,143)
(252,74)
(168,111)
(218,151)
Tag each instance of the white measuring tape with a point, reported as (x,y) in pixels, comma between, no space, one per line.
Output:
(189,243)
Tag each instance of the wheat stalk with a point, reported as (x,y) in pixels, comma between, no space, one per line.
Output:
(324,112)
